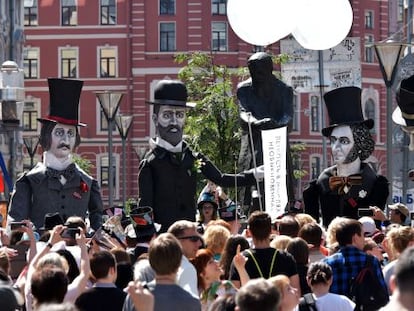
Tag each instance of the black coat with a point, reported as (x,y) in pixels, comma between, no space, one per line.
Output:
(168,183)
(372,192)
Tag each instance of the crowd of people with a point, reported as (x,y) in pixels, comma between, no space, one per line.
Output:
(266,266)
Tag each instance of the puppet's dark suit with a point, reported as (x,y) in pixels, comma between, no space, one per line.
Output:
(320,200)
(168,181)
(39,192)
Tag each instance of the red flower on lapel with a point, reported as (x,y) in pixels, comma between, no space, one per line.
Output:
(83,187)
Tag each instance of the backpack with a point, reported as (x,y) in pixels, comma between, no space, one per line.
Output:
(307,303)
(366,290)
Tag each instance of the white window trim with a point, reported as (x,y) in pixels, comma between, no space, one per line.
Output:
(159,36)
(38,58)
(60,49)
(60,13)
(159,9)
(116,157)
(116,14)
(98,60)
(317,133)
(38,104)
(227,35)
(311,156)
(297,113)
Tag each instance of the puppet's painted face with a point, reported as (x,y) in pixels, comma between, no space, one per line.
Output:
(342,142)
(170,123)
(63,140)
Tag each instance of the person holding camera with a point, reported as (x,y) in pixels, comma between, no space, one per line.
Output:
(398,214)
(350,184)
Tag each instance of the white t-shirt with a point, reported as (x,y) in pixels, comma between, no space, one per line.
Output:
(329,302)
(187,277)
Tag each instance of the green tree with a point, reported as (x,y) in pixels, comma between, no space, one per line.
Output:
(83,163)
(212,127)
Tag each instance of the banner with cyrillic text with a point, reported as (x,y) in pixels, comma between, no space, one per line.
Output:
(274,161)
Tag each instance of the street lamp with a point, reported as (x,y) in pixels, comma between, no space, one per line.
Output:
(389,54)
(109,102)
(123,123)
(11,97)
(31,143)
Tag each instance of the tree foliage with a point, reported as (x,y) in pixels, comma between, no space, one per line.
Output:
(83,163)
(213,126)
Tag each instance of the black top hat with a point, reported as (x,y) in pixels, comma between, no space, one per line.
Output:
(142,218)
(207,197)
(64,101)
(51,220)
(344,108)
(404,113)
(228,213)
(171,93)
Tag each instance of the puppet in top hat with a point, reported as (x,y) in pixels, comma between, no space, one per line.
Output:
(344,108)
(64,95)
(403,114)
(350,183)
(170,96)
(168,173)
(57,184)
(64,98)
(171,93)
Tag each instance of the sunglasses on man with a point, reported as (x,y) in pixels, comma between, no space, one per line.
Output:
(192,238)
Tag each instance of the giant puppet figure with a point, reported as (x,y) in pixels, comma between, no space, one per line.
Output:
(404,113)
(167,175)
(265,103)
(57,185)
(350,183)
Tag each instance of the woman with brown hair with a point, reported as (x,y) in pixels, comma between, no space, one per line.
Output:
(208,278)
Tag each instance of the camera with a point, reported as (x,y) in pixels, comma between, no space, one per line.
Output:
(365,212)
(70,233)
(412,219)
(17,225)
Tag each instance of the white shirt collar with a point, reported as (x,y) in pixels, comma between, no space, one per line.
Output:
(50,160)
(166,145)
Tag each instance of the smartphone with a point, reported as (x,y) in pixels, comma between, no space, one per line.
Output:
(365,212)
(70,233)
(17,225)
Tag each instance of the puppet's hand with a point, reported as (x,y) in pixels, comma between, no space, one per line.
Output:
(257,172)
(265,124)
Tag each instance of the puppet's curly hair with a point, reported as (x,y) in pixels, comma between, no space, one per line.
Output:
(364,142)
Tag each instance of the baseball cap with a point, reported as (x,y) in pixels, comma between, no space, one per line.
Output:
(401,208)
(368,225)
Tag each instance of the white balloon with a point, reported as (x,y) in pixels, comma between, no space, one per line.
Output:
(262,22)
(322,24)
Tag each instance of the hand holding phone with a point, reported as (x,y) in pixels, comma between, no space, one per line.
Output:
(365,212)
(70,233)
(16,225)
